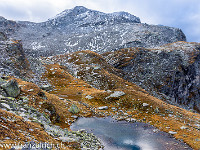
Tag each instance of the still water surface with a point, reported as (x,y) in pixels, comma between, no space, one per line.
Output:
(128,136)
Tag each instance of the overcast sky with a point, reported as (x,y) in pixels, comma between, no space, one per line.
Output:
(183,14)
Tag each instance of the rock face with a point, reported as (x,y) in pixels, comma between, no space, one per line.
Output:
(2,37)
(12,59)
(8,26)
(170,71)
(84,29)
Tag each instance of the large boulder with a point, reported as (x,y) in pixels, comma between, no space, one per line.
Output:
(11,88)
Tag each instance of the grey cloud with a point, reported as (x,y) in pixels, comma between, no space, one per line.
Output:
(27,11)
(12,12)
(175,13)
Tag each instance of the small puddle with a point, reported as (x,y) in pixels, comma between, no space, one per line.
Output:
(122,135)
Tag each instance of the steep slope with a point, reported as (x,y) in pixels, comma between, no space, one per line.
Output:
(170,71)
(90,67)
(12,59)
(82,29)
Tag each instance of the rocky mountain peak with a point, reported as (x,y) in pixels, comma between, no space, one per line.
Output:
(81,28)
(2,18)
(84,15)
(80,9)
(71,12)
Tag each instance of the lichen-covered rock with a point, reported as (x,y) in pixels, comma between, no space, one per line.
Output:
(74,109)
(11,88)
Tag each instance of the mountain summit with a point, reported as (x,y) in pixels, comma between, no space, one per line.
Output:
(80,16)
(84,29)
(83,12)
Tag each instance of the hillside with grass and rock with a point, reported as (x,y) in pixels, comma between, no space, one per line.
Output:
(132,72)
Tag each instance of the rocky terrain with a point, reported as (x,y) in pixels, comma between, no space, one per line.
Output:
(170,72)
(83,84)
(84,29)
(133,78)
(13,60)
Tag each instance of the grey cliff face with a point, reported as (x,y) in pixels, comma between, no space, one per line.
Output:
(170,72)
(12,59)
(84,29)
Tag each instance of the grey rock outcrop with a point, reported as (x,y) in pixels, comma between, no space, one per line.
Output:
(2,37)
(170,72)
(116,94)
(11,88)
(46,87)
(12,59)
(84,29)
(8,26)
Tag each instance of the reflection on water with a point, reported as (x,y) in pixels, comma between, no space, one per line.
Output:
(128,136)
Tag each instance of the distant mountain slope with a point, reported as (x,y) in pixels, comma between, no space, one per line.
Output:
(81,29)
